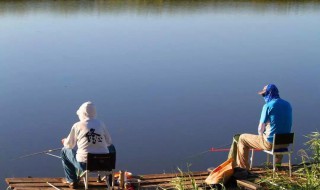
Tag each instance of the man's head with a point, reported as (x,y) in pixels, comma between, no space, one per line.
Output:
(269,92)
(86,111)
(269,88)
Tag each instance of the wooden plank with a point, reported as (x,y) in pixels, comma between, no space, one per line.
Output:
(33,180)
(258,172)
(55,184)
(169,185)
(37,185)
(248,185)
(161,180)
(151,180)
(93,184)
(44,186)
(172,175)
(40,180)
(41,188)
(51,188)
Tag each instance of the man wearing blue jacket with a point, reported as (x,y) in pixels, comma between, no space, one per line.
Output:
(276,118)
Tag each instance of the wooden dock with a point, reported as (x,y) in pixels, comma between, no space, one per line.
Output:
(150,181)
(41,183)
(143,182)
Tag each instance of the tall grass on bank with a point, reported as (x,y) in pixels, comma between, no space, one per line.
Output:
(314,146)
(305,178)
(310,173)
(182,183)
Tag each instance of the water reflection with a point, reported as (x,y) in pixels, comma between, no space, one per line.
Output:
(155,6)
(170,81)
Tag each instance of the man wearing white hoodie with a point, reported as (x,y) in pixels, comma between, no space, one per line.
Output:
(90,136)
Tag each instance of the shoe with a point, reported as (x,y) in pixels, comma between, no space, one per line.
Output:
(72,185)
(240,173)
(252,175)
(64,181)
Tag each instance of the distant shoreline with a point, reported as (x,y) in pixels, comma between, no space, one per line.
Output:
(157,6)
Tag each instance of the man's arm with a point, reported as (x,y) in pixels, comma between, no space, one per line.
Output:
(107,136)
(263,120)
(261,128)
(71,140)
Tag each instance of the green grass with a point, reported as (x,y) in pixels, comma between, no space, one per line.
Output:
(307,177)
(186,181)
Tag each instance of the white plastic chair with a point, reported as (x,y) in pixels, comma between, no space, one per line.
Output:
(278,140)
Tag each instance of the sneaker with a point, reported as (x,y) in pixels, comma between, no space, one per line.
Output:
(72,185)
(240,173)
(65,181)
(252,175)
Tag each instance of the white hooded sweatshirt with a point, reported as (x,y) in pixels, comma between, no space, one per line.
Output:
(89,134)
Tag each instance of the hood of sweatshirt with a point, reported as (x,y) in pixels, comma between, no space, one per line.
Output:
(87,111)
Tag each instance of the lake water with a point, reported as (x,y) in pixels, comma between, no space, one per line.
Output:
(171,79)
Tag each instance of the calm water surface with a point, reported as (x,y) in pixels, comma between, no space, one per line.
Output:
(170,78)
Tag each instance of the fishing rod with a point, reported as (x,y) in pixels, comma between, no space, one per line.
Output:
(227,149)
(53,186)
(218,149)
(48,152)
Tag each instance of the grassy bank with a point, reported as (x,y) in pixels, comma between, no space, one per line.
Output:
(306,177)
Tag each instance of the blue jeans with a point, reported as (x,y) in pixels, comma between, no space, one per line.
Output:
(71,165)
(112,149)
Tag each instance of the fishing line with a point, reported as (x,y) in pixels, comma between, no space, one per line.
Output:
(48,152)
(188,160)
(217,149)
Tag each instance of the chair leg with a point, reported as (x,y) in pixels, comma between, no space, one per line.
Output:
(290,167)
(86,180)
(107,180)
(251,159)
(99,178)
(274,164)
(112,183)
(268,160)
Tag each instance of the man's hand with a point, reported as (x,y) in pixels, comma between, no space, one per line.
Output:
(62,141)
(261,128)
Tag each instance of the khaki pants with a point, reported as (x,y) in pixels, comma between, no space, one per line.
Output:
(233,150)
(245,143)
